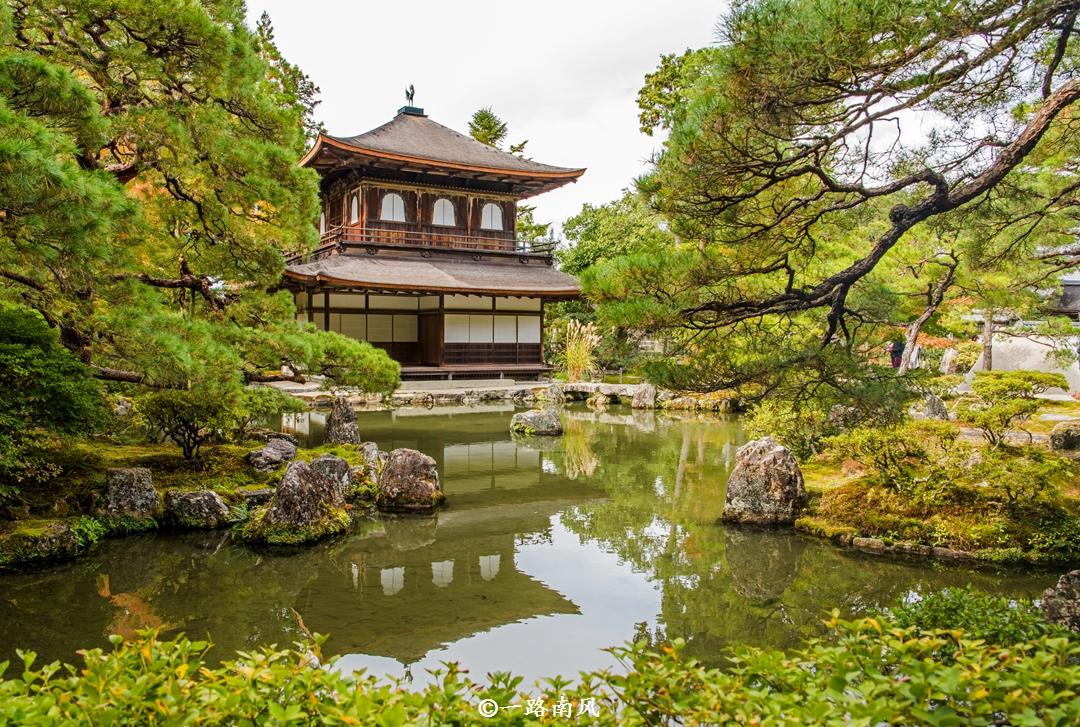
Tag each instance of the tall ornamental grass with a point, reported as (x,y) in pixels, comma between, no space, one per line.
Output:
(581,342)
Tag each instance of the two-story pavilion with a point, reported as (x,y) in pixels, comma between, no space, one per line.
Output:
(419,253)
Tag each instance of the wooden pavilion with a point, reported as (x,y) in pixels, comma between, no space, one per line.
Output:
(419,253)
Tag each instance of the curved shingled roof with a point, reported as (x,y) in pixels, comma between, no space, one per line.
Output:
(413,136)
(422,275)
(418,136)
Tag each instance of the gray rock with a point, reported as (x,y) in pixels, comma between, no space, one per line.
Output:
(257,496)
(341,425)
(843,417)
(934,408)
(129,492)
(598,401)
(276,452)
(271,435)
(195,510)
(1061,602)
(948,361)
(543,422)
(555,396)
(1065,436)
(644,397)
(337,470)
(306,507)
(373,456)
(24,542)
(766,485)
(408,482)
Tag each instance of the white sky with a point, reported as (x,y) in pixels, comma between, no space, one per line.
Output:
(563,74)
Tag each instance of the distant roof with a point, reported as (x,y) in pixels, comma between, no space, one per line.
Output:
(437,276)
(412,138)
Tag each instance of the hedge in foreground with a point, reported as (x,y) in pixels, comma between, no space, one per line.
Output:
(867,672)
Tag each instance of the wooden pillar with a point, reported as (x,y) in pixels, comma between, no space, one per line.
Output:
(542,332)
(441,357)
(326,310)
(310,301)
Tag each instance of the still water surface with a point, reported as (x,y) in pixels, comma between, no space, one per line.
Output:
(549,551)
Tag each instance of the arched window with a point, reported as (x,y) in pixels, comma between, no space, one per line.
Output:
(354,210)
(443,214)
(393,208)
(491,217)
(322,224)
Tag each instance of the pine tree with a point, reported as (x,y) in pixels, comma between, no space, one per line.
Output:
(150,188)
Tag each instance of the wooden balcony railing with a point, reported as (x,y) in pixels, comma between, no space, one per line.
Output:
(341,238)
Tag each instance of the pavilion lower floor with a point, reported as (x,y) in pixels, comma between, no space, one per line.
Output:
(437,336)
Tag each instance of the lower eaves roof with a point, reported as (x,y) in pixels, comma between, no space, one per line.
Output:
(419,275)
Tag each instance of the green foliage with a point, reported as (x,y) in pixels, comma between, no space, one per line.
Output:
(662,97)
(487,128)
(802,410)
(1022,476)
(150,189)
(189,418)
(261,403)
(923,485)
(1003,400)
(994,619)
(967,353)
(913,457)
(799,244)
(49,394)
(604,232)
(849,678)
(88,531)
(802,430)
(345,361)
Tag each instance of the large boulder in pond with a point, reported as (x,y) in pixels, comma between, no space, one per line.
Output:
(276,452)
(130,495)
(337,471)
(195,510)
(341,425)
(307,506)
(644,397)
(1061,602)
(766,485)
(542,422)
(408,482)
(1065,436)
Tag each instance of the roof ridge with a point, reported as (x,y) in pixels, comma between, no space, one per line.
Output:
(405,134)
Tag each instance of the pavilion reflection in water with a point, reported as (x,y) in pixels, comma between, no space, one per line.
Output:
(421,583)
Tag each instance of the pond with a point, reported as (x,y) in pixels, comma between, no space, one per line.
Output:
(548,552)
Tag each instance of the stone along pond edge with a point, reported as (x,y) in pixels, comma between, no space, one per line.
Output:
(308,495)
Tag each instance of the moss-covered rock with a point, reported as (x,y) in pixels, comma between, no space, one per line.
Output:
(1065,436)
(130,503)
(307,506)
(24,542)
(195,510)
(261,527)
(409,482)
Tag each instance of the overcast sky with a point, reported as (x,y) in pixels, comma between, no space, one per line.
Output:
(563,74)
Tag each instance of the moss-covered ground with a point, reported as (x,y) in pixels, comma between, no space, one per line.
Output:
(60,521)
(1000,513)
